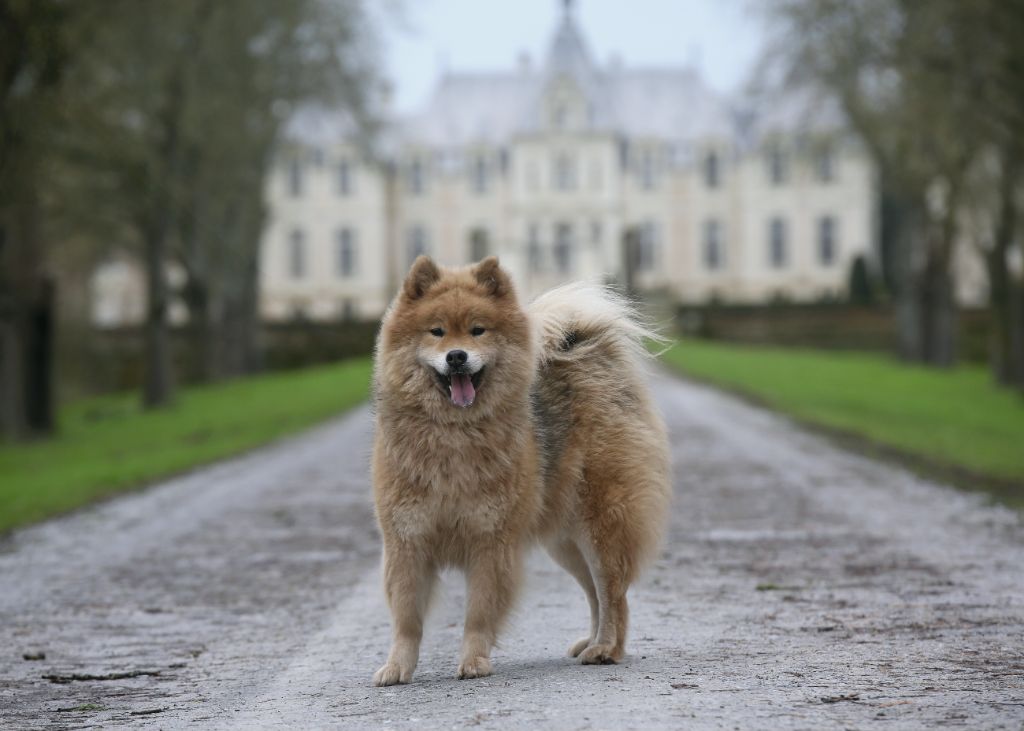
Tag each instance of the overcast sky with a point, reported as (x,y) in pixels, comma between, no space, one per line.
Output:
(721,37)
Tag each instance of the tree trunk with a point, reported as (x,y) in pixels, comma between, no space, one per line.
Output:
(938,313)
(1016,339)
(12,407)
(202,333)
(158,386)
(903,254)
(39,352)
(924,288)
(1004,293)
(26,321)
(160,208)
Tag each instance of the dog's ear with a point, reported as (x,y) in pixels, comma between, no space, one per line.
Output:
(492,277)
(422,275)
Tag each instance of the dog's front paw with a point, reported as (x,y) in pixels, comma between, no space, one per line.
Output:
(391,674)
(579,646)
(474,667)
(600,655)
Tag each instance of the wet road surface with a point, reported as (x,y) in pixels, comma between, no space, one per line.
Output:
(801,586)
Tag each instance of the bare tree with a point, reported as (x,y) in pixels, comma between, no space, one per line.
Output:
(269,60)
(179,106)
(897,68)
(33,57)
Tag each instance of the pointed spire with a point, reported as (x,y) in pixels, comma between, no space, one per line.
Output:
(568,51)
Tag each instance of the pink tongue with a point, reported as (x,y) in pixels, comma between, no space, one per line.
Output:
(463,392)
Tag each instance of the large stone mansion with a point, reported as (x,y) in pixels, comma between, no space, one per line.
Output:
(554,168)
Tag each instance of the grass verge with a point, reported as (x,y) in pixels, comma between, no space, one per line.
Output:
(108,444)
(954,421)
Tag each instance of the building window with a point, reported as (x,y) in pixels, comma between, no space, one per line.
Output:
(714,250)
(295,177)
(297,254)
(346,262)
(532,176)
(712,175)
(564,172)
(416,177)
(559,115)
(647,247)
(344,178)
(596,174)
(826,164)
(478,245)
(533,251)
(648,170)
(563,248)
(479,176)
(416,243)
(777,254)
(827,249)
(778,167)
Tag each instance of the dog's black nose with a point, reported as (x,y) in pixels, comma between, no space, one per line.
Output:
(456,358)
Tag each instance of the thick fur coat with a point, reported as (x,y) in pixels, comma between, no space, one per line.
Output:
(500,427)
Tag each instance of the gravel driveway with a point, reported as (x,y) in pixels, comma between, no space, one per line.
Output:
(802,586)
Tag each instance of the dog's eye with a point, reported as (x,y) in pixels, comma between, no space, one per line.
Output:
(476,331)
(437,332)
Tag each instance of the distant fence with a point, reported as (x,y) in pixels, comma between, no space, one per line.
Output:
(830,326)
(93,361)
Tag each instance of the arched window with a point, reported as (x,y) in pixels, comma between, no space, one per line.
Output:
(564,172)
(777,245)
(647,247)
(297,254)
(479,174)
(648,170)
(827,243)
(778,164)
(345,183)
(346,252)
(295,177)
(714,251)
(533,250)
(479,247)
(416,177)
(417,243)
(825,164)
(563,248)
(712,174)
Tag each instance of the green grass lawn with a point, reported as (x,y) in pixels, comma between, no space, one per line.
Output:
(108,444)
(956,418)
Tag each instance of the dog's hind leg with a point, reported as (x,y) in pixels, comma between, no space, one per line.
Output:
(408,583)
(493,575)
(612,572)
(567,555)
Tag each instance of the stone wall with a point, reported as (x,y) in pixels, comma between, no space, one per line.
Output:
(829,326)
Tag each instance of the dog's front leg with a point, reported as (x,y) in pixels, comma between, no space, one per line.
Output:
(492,580)
(408,583)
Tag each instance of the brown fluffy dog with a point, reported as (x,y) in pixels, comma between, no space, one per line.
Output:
(499,427)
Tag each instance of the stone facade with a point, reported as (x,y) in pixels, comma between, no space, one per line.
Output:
(554,169)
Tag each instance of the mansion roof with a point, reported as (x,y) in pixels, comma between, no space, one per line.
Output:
(674,106)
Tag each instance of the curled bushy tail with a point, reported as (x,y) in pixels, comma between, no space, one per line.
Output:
(581,312)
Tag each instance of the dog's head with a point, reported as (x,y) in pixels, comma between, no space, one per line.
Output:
(455,340)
